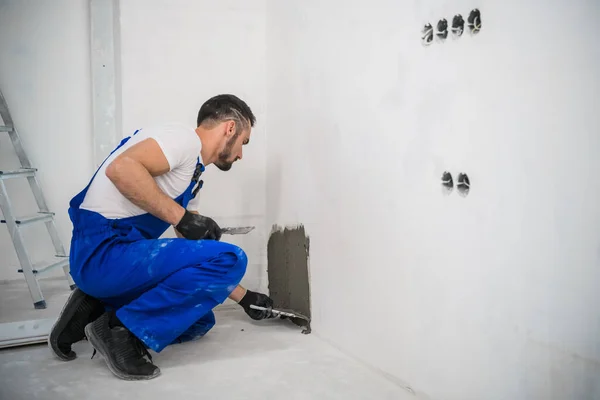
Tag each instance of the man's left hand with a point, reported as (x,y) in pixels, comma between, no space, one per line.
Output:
(257,299)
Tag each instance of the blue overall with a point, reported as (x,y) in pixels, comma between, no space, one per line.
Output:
(163,290)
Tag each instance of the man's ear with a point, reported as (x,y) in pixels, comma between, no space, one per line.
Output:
(229,128)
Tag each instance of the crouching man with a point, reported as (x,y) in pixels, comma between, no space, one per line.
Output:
(136,291)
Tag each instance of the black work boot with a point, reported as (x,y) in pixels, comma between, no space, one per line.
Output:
(122,350)
(79,310)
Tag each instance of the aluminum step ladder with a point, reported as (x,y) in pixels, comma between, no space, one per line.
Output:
(16,224)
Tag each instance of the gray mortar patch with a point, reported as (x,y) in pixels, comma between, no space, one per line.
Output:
(289,286)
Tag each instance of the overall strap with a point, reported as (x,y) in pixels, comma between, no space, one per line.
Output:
(125,140)
(196,178)
(77,200)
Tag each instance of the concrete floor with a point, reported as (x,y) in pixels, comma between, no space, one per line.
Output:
(238,359)
(16,304)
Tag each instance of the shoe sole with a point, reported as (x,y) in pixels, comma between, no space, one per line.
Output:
(60,324)
(101,348)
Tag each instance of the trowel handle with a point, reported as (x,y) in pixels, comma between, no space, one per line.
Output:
(263,308)
(276,312)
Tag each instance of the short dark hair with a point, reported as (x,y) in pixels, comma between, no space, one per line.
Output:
(225,107)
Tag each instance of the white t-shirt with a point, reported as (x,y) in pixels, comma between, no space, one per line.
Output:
(180,145)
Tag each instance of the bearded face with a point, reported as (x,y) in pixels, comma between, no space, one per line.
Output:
(225,160)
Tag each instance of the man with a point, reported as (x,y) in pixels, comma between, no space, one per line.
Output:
(136,291)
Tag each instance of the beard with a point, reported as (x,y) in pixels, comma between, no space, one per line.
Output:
(223,162)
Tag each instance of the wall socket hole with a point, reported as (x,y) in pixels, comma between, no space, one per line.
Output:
(474,21)
(458,25)
(442,29)
(463,185)
(447,180)
(447,183)
(427,34)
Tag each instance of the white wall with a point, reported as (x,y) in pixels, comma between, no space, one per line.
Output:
(178,54)
(45,78)
(174,56)
(492,296)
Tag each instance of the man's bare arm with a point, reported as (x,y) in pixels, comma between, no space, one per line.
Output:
(238,293)
(132,173)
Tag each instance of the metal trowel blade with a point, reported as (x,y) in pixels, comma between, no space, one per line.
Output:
(294,316)
(238,230)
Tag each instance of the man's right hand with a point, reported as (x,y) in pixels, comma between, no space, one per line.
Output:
(196,227)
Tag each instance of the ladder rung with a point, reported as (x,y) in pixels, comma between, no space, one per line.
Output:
(62,261)
(18,173)
(39,217)
(25,170)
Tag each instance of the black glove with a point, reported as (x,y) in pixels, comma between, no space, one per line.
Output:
(195,227)
(257,299)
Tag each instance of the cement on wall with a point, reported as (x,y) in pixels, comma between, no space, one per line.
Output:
(287,255)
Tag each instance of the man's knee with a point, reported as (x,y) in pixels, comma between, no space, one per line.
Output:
(228,258)
(241,262)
